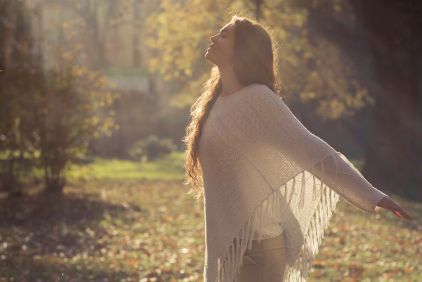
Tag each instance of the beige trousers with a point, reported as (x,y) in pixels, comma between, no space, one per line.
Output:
(264,262)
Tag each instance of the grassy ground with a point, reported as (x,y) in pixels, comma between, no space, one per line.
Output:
(165,168)
(122,225)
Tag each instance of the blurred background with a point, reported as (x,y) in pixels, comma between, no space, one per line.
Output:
(95,98)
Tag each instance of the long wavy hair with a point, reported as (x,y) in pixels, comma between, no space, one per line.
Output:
(254,61)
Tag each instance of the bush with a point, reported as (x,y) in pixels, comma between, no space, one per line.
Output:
(151,148)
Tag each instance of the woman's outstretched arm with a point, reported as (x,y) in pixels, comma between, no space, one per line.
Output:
(285,132)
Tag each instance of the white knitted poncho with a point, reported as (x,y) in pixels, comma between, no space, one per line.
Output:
(258,160)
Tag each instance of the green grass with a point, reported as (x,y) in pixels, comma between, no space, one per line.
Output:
(148,229)
(165,168)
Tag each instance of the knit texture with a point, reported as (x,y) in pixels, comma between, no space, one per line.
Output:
(259,161)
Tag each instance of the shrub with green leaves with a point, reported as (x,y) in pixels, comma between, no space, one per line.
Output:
(151,148)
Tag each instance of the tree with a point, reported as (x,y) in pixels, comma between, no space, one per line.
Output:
(20,76)
(74,108)
(315,71)
(46,118)
(98,17)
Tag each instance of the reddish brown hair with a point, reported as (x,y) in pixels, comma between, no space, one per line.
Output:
(253,62)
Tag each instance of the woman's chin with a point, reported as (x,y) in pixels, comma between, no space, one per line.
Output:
(208,57)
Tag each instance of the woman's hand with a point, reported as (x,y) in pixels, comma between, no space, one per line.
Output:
(389,204)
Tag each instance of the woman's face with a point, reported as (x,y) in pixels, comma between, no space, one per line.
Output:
(220,51)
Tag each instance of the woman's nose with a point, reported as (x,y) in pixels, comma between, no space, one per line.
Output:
(212,39)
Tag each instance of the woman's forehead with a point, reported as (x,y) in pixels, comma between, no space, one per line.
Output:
(226,28)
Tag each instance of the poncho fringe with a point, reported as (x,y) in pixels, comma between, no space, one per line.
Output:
(229,268)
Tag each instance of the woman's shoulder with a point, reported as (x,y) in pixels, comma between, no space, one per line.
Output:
(260,86)
(253,94)
(263,91)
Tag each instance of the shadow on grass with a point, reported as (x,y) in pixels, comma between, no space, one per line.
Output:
(33,270)
(41,235)
(50,210)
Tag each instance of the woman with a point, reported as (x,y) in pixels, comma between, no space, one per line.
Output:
(269,185)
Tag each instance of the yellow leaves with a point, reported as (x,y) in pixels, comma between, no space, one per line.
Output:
(167,218)
(331,109)
(307,95)
(358,100)
(317,70)
(67,56)
(79,71)
(101,82)
(65,25)
(133,262)
(179,34)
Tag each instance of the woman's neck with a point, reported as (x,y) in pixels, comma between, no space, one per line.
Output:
(230,83)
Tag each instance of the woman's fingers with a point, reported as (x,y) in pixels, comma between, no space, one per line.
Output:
(397,213)
(389,204)
(404,214)
(397,210)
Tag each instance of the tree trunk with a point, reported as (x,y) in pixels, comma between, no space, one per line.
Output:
(391,160)
(136,30)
